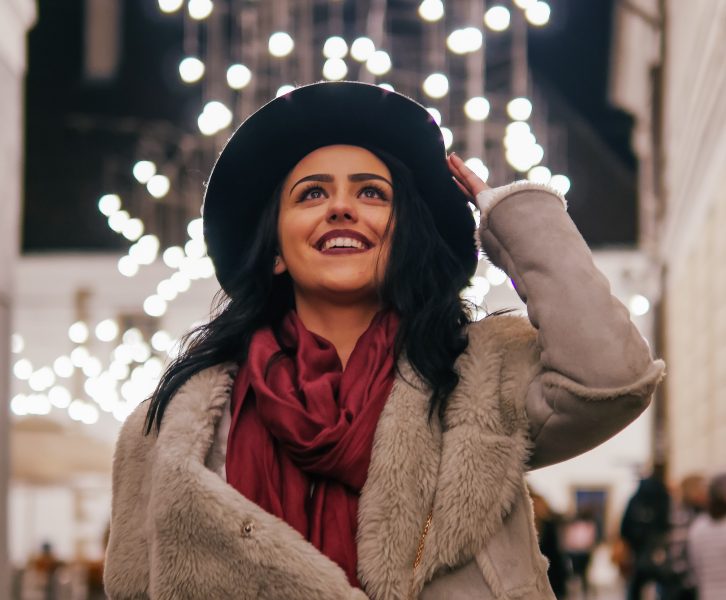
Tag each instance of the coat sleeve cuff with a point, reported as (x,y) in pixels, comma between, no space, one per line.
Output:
(643,387)
(489,198)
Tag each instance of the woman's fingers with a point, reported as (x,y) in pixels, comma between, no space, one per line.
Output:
(470,180)
(457,176)
(466,192)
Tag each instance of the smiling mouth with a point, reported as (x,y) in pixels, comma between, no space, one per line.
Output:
(343,246)
(343,242)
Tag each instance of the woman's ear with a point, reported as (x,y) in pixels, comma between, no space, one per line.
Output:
(279,266)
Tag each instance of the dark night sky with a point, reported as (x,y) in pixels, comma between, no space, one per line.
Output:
(69,155)
(67,162)
(573,54)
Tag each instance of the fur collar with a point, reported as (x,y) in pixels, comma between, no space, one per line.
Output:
(469,469)
(201,524)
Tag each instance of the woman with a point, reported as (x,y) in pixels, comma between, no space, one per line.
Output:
(340,428)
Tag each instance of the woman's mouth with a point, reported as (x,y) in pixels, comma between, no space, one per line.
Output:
(343,242)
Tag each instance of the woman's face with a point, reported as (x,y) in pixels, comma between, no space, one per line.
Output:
(335,208)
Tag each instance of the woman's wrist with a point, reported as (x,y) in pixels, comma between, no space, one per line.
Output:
(489,198)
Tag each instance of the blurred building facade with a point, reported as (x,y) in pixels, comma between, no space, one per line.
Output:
(668,71)
(60,489)
(120,98)
(16,17)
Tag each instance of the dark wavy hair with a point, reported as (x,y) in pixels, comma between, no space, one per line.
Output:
(422,283)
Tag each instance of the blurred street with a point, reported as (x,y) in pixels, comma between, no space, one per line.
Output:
(112,115)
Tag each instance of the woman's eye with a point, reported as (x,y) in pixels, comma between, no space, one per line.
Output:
(313,193)
(316,193)
(371,192)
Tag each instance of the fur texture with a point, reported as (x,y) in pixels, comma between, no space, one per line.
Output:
(179,531)
(399,491)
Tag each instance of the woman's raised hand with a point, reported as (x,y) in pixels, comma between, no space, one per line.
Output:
(468,181)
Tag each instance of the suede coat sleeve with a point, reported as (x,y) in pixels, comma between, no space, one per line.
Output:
(595,370)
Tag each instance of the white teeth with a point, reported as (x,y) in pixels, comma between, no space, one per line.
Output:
(342,242)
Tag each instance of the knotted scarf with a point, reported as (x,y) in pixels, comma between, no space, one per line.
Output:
(302,429)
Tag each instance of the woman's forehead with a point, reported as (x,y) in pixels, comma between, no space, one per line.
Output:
(340,157)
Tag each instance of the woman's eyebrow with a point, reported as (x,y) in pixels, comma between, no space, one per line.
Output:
(366,177)
(329,178)
(314,177)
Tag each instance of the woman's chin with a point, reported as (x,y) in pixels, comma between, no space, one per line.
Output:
(351,290)
(344,290)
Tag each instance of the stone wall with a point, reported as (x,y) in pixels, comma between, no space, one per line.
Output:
(696,341)
(692,238)
(681,144)
(16,17)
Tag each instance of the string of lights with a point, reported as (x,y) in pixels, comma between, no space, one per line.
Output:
(133,370)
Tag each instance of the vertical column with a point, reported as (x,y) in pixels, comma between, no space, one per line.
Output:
(191,37)
(519,55)
(102,39)
(475,84)
(304,33)
(80,301)
(217,44)
(375,30)
(215,81)
(281,22)
(16,17)
(434,53)
(250,38)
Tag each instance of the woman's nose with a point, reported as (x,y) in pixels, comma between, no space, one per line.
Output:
(341,209)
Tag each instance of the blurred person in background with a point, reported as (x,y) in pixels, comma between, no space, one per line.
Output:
(40,578)
(46,561)
(547,522)
(690,501)
(707,544)
(580,539)
(644,528)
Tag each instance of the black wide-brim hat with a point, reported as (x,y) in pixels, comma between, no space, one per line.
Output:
(269,143)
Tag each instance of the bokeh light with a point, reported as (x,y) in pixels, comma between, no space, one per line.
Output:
(477,108)
(497,18)
(280,44)
(191,70)
(431,10)
(436,85)
(379,62)
(238,76)
(362,48)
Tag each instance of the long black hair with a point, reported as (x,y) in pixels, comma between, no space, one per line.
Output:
(422,283)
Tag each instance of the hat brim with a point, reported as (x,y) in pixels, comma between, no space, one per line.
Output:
(269,143)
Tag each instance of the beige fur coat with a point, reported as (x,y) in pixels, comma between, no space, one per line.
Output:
(532,392)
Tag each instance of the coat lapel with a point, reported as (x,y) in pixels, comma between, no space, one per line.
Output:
(470,472)
(206,539)
(483,452)
(399,491)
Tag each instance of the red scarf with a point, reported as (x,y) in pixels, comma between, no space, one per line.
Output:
(302,429)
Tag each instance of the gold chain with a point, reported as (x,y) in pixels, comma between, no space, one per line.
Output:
(419,551)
